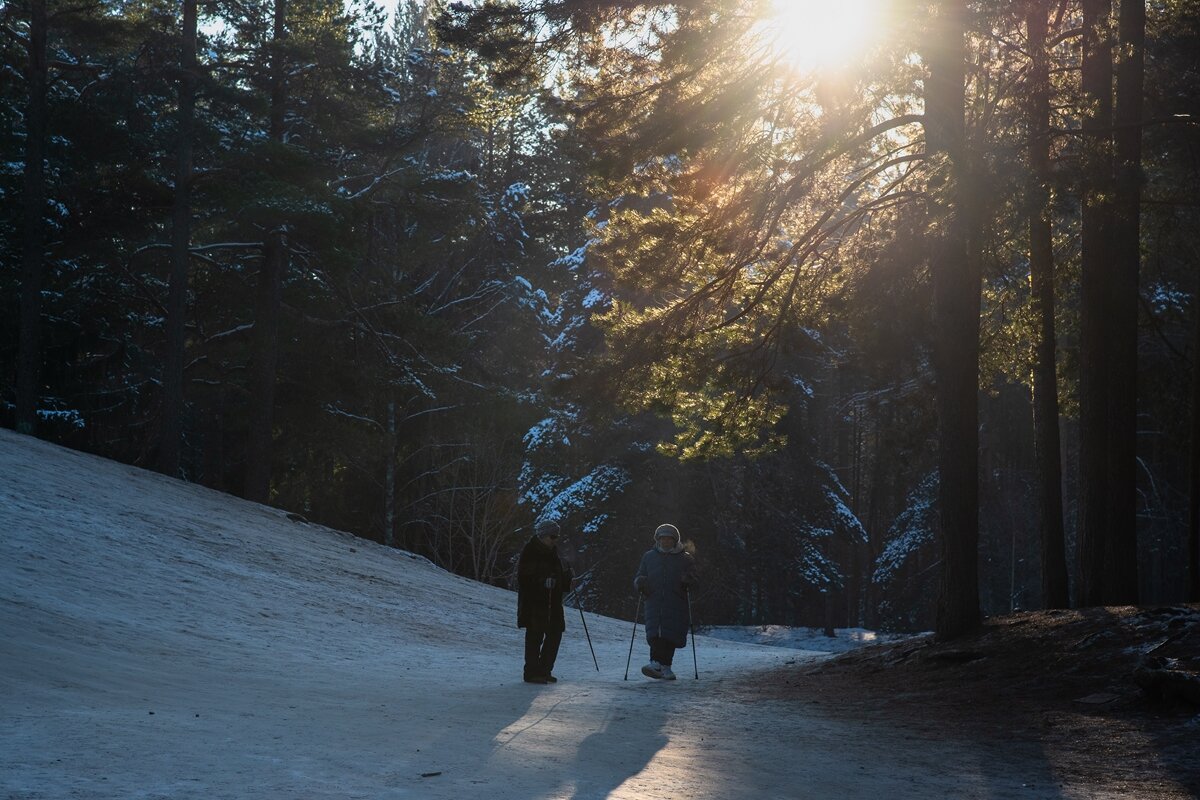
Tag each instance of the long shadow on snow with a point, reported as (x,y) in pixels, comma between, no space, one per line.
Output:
(624,745)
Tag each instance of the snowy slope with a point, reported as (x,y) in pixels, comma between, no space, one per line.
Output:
(161,640)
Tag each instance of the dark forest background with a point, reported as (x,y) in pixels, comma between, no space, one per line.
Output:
(895,344)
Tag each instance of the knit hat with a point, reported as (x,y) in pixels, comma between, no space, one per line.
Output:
(546,527)
(666,530)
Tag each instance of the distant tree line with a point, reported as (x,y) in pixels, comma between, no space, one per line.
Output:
(897,344)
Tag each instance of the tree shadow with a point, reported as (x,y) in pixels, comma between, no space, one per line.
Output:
(480,722)
(1042,692)
(624,745)
(536,750)
(1156,725)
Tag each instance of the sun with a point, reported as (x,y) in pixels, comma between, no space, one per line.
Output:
(821,35)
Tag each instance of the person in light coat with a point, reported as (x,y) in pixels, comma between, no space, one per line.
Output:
(664,577)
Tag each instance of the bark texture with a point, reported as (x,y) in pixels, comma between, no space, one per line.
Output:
(29,350)
(1046,433)
(956,301)
(269,299)
(1123,309)
(1096,269)
(171,429)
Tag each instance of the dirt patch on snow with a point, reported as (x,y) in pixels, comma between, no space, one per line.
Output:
(1069,686)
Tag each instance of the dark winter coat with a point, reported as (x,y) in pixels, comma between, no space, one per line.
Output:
(666,574)
(538,607)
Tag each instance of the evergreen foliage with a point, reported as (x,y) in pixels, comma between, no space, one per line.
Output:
(608,263)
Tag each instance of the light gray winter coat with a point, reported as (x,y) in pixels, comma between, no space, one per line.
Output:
(666,574)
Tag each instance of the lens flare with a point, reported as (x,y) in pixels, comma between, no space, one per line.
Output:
(821,35)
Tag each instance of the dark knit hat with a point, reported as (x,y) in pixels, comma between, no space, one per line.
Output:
(546,527)
(666,530)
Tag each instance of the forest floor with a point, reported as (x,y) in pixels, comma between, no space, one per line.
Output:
(1061,684)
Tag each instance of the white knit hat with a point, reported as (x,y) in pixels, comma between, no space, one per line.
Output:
(666,529)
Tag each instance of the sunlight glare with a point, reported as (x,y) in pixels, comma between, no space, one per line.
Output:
(821,34)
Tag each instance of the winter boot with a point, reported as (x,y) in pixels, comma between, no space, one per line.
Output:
(653,670)
(667,674)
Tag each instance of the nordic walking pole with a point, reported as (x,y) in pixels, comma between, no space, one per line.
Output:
(695,664)
(637,610)
(589,638)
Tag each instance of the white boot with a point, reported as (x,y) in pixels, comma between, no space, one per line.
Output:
(653,670)
(667,674)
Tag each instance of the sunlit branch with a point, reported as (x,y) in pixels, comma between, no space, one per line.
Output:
(807,243)
(769,342)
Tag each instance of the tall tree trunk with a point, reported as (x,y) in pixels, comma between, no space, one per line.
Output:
(171,429)
(956,299)
(262,377)
(1041,274)
(1193,590)
(1123,303)
(1095,584)
(268,299)
(29,348)
(389,480)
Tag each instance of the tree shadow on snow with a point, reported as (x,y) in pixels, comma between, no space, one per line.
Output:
(624,745)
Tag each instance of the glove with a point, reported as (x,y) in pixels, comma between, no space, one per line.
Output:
(642,585)
(550,583)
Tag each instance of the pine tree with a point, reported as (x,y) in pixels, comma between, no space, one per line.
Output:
(181,218)
(33,265)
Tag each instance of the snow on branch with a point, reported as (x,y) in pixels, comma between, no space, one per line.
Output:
(574,260)
(70,416)
(912,529)
(537,489)
(593,489)
(817,569)
(546,433)
(338,412)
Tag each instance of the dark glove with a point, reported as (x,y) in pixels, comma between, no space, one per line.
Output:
(550,582)
(642,585)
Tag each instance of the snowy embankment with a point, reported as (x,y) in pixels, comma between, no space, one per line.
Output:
(161,640)
(812,640)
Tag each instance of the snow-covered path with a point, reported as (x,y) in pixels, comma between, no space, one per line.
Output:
(160,640)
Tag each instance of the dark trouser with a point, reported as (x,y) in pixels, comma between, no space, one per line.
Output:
(541,649)
(661,651)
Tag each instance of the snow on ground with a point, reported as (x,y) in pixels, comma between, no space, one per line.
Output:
(810,639)
(161,640)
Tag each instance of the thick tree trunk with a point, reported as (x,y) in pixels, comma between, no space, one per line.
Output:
(1041,274)
(1095,584)
(268,300)
(171,429)
(956,299)
(1123,305)
(29,348)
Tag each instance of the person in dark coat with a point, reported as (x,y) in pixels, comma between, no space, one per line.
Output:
(664,577)
(542,578)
